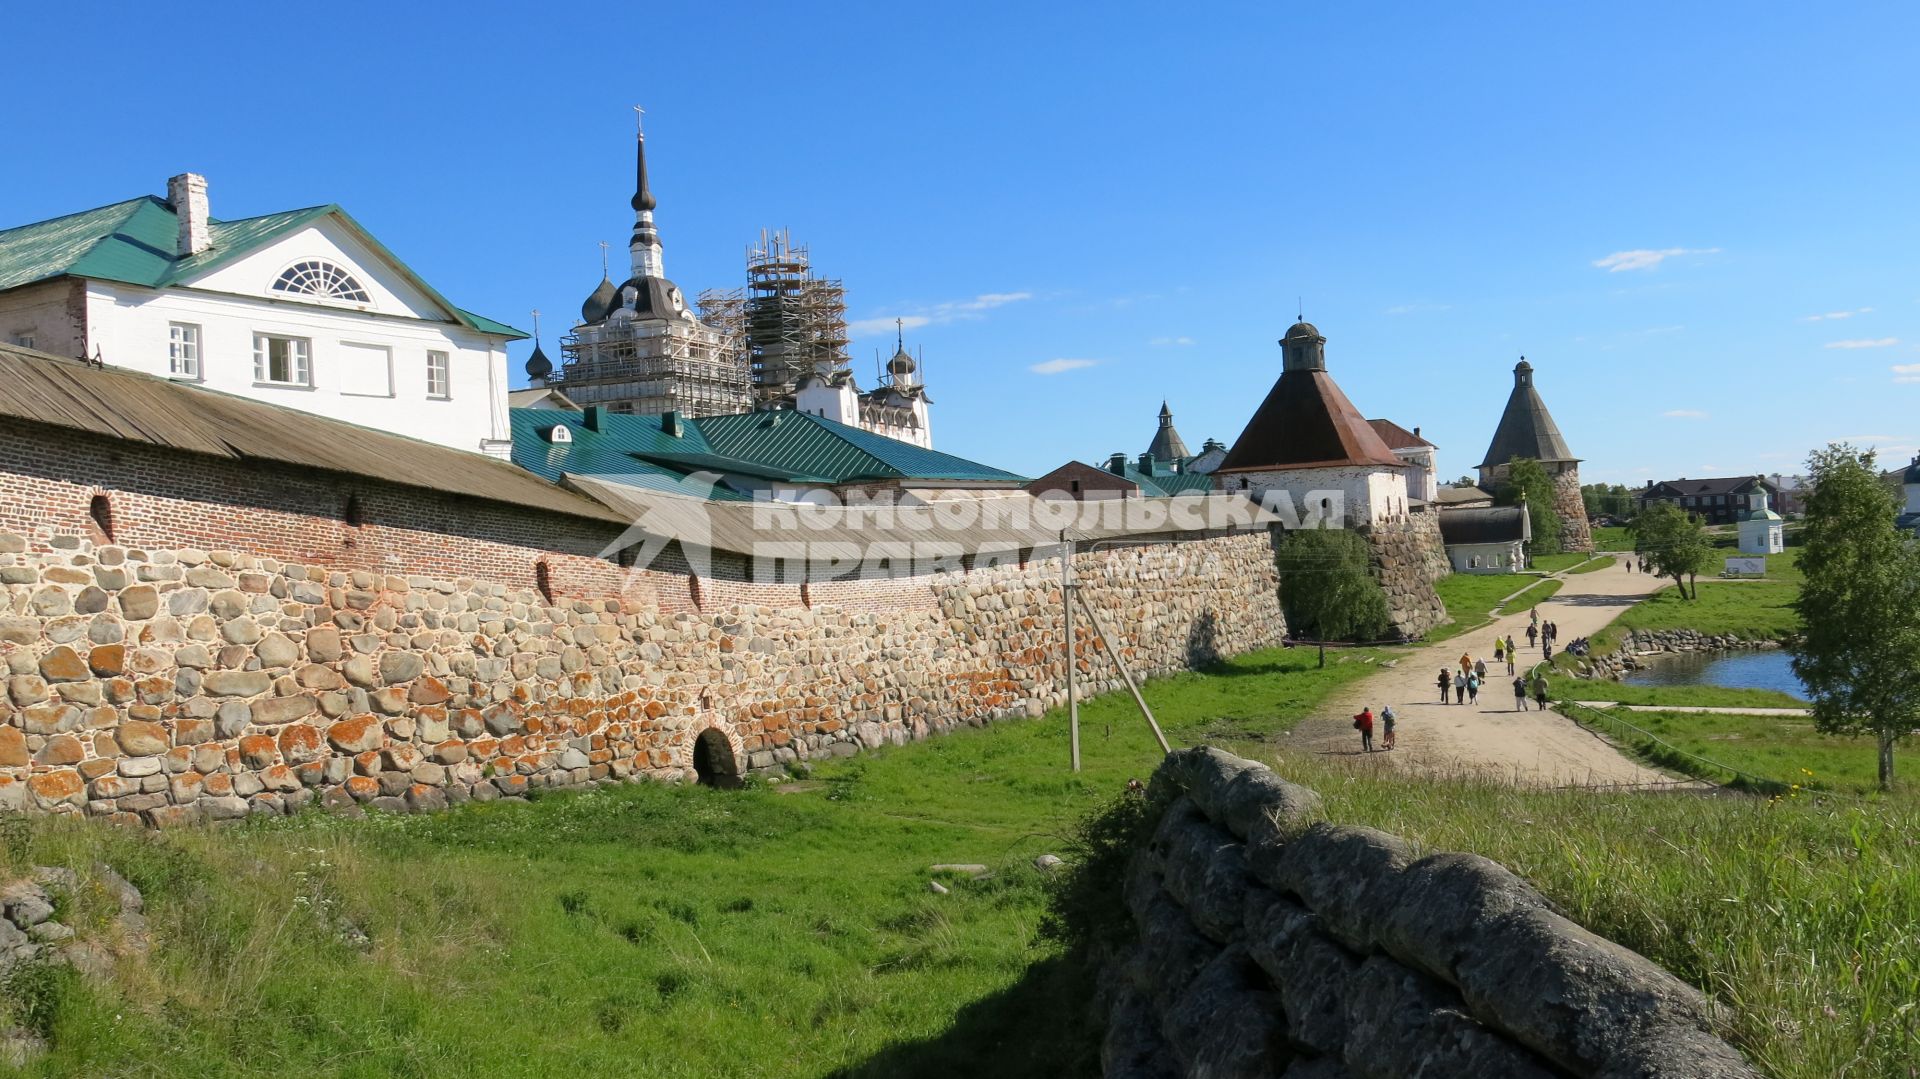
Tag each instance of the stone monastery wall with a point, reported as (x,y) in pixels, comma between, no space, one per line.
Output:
(1268,946)
(244,643)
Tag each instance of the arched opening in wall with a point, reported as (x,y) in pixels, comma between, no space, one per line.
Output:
(806,595)
(543,580)
(100,512)
(713,763)
(693,590)
(351,514)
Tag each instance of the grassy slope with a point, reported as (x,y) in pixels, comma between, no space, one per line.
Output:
(1468,598)
(1612,539)
(643,929)
(1568,688)
(1785,749)
(1593,565)
(1799,913)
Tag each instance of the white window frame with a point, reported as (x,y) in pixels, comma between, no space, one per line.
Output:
(299,361)
(440,363)
(183,352)
(23,339)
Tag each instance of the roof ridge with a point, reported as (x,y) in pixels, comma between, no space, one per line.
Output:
(82,213)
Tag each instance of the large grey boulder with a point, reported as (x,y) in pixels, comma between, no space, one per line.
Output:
(1348,876)
(1309,971)
(1401,1023)
(1576,998)
(1449,907)
(1204,868)
(1227,1023)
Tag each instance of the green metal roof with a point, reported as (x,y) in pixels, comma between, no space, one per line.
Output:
(802,444)
(134,242)
(785,445)
(1158,484)
(619,450)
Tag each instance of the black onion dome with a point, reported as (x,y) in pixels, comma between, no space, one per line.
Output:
(601,303)
(901,364)
(538,366)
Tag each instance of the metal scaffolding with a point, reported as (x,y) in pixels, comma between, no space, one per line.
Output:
(787,322)
(655,366)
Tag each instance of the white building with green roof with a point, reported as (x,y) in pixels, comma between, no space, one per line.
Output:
(303,309)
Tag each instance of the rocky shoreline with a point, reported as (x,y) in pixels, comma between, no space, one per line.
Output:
(1653,643)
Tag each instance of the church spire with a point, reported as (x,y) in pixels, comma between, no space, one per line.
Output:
(645,245)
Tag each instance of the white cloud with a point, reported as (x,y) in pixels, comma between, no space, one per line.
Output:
(1054,367)
(1419,308)
(936,314)
(1864,342)
(1162,342)
(1831,315)
(1906,372)
(1684,414)
(1642,258)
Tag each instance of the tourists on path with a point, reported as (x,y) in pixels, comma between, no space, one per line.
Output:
(1480,669)
(1473,689)
(1446,683)
(1510,659)
(1466,663)
(1510,648)
(1532,633)
(1386,726)
(1364,724)
(1499,649)
(1459,688)
(1546,649)
(1540,689)
(1519,694)
(1533,619)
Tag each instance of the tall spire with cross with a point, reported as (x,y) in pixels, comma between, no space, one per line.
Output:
(645,245)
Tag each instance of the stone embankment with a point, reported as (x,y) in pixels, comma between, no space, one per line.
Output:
(31,934)
(170,686)
(1268,946)
(1647,642)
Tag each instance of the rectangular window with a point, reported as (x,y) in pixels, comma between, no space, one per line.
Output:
(24,340)
(439,375)
(183,350)
(281,361)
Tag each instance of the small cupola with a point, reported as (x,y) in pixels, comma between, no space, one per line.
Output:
(1303,348)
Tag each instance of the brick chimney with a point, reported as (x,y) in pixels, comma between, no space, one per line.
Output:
(187,193)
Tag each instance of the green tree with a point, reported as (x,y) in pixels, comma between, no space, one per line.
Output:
(1527,480)
(1674,543)
(1327,589)
(1859,649)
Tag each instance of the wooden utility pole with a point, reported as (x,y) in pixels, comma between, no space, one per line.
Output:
(1066,621)
(1100,630)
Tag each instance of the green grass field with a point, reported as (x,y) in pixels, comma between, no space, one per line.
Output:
(1554,563)
(1612,539)
(639,929)
(1568,688)
(1594,565)
(1468,597)
(1786,750)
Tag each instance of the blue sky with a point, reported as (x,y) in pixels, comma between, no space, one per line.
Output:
(1698,224)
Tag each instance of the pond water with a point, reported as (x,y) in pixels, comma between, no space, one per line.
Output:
(1732,670)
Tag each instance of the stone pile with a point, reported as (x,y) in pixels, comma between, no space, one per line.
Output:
(1271,947)
(164,687)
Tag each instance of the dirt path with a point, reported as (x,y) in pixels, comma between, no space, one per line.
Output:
(1494,736)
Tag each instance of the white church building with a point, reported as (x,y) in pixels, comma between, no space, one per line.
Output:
(302,308)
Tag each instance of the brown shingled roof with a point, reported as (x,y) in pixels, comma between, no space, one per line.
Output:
(1395,436)
(1306,422)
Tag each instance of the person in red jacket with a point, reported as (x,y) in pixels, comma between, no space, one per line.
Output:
(1364,724)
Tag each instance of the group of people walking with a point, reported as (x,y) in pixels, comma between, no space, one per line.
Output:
(1466,681)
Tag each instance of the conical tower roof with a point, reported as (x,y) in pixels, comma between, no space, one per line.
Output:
(1306,421)
(1526,428)
(1167,445)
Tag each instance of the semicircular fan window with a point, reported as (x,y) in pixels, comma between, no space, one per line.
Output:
(316,278)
